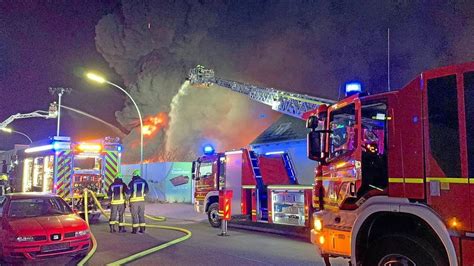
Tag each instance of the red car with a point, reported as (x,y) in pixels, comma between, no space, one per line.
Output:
(39,226)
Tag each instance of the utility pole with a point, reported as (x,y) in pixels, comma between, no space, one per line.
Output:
(60,91)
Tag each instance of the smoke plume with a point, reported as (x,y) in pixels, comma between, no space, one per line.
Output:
(301,46)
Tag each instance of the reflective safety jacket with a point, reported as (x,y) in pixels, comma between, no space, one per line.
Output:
(138,189)
(117,192)
(4,187)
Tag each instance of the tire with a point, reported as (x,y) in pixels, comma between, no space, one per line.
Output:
(213,215)
(403,250)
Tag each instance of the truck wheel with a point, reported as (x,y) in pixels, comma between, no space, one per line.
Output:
(403,250)
(213,215)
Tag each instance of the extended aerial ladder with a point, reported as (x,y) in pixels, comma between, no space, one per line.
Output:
(51,113)
(292,104)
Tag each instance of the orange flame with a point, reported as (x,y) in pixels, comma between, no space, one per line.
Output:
(153,124)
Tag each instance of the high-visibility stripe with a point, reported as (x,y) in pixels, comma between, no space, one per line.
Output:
(111,167)
(134,197)
(143,224)
(121,199)
(248,186)
(121,224)
(395,180)
(113,222)
(135,225)
(289,187)
(471,180)
(458,180)
(137,199)
(414,180)
(63,173)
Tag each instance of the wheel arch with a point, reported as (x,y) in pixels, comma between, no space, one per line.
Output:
(211,197)
(416,212)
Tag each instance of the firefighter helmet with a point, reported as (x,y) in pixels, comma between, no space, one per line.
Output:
(118,175)
(4,177)
(136,173)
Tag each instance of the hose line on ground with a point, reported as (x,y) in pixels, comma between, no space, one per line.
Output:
(139,254)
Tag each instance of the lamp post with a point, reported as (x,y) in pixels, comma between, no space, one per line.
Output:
(9,130)
(60,91)
(102,80)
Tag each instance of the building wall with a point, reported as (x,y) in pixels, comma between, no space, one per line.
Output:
(168,182)
(304,167)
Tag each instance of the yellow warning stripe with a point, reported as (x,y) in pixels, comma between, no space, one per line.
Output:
(457,180)
(248,186)
(395,180)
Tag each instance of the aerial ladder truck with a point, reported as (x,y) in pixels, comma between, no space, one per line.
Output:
(51,113)
(265,186)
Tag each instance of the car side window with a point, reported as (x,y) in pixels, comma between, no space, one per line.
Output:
(3,199)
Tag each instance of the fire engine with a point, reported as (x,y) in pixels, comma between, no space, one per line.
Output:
(265,186)
(66,168)
(396,172)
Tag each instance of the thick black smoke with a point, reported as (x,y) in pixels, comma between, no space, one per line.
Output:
(302,46)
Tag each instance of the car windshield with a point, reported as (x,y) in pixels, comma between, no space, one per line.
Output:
(342,137)
(33,207)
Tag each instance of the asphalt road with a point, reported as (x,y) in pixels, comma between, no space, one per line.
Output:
(205,247)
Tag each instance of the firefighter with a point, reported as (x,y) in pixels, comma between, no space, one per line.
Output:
(138,189)
(117,192)
(4,184)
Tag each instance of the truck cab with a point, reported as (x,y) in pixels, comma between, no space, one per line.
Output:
(396,167)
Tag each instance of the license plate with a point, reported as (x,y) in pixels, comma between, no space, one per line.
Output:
(55,247)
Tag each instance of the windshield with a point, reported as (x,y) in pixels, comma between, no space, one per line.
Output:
(22,208)
(87,163)
(205,170)
(342,124)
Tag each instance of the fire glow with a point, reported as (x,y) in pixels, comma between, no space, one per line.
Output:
(153,124)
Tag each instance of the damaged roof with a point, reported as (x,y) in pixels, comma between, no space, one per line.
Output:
(286,128)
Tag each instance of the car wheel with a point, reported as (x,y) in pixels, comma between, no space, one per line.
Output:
(213,215)
(403,250)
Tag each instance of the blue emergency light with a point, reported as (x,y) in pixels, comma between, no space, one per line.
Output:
(352,88)
(208,149)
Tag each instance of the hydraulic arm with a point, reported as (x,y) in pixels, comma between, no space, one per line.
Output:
(289,103)
(51,113)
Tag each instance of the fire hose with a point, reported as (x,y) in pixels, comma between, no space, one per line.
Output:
(136,255)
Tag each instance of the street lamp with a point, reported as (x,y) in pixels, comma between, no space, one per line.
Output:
(9,130)
(102,80)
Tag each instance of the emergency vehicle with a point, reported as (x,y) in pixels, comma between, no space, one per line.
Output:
(265,187)
(66,168)
(395,185)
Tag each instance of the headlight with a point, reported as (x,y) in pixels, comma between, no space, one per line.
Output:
(82,233)
(318,225)
(25,239)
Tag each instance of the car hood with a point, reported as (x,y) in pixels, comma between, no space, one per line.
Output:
(47,224)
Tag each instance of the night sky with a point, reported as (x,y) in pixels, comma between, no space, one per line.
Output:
(46,44)
(148,46)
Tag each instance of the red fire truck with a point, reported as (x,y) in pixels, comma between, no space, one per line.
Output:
(265,185)
(396,173)
(66,168)
(265,188)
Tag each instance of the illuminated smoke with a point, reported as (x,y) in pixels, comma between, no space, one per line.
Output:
(303,46)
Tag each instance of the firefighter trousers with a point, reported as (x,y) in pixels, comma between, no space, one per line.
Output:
(138,213)
(117,209)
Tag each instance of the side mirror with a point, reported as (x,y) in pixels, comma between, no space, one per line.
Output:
(312,122)
(314,146)
(193,171)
